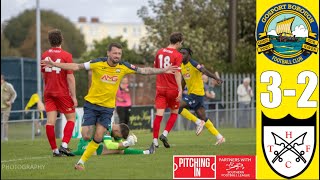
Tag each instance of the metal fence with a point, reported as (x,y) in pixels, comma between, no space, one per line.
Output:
(142,88)
(230,85)
(20,129)
(222,118)
(22,74)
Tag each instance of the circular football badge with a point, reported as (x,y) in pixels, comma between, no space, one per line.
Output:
(287,34)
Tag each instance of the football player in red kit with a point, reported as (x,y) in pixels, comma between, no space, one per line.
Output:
(168,87)
(59,93)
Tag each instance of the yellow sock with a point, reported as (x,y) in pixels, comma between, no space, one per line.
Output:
(211,128)
(91,148)
(188,115)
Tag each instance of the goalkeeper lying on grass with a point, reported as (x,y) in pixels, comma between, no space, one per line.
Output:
(114,145)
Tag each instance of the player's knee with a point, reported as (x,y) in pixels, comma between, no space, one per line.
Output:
(86,137)
(97,140)
(51,121)
(200,110)
(201,115)
(86,134)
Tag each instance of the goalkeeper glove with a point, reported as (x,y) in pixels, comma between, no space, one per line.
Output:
(131,140)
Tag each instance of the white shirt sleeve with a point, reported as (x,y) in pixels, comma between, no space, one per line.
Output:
(87,65)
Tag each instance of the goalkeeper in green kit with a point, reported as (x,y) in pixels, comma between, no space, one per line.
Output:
(114,145)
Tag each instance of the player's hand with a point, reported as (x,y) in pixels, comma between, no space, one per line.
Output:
(75,101)
(134,137)
(219,81)
(47,62)
(131,140)
(178,99)
(172,69)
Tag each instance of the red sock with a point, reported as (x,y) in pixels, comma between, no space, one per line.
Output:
(51,136)
(172,119)
(67,132)
(156,126)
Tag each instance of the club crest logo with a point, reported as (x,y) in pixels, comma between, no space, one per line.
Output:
(287,34)
(289,144)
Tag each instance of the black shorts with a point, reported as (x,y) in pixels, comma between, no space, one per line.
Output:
(194,101)
(93,114)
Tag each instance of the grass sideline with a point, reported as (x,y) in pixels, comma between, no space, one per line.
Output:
(18,156)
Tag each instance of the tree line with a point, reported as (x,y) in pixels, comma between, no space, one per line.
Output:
(204,23)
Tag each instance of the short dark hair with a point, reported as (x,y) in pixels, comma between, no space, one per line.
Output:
(176,37)
(187,49)
(117,45)
(124,129)
(55,37)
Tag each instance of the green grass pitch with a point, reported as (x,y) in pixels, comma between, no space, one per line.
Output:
(26,159)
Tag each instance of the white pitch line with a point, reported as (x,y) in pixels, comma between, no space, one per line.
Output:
(30,158)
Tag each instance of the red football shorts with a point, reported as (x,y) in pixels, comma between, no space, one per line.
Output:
(63,104)
(166,98)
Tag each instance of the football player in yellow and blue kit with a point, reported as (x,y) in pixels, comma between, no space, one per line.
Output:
(192,72)
(33,101)
(107,73)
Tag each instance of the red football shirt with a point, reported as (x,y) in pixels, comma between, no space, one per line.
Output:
(55,79)
(164,58)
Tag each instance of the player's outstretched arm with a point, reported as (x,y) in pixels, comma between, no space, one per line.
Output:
(149,70)
(212,75)
(111,145)
(67,66)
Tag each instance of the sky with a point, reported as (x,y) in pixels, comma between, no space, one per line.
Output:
(105,10)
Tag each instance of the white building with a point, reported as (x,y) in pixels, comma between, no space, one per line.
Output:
(96,30)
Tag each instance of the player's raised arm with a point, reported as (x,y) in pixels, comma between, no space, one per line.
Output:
(67,66)
(212,75)
(149,70)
